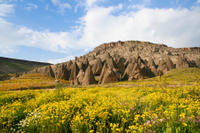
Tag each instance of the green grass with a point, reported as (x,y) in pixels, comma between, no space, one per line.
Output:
(188,75)
(175,77)
(8,66)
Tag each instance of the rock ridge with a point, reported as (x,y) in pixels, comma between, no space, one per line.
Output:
(123,60)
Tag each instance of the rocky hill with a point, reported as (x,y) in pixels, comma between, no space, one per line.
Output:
(9,65)
(117,61)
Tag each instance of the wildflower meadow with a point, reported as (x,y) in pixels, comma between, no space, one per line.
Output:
(124,107)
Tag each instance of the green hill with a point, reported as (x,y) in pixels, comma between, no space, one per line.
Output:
(175,77)
(184,75)
(10,66)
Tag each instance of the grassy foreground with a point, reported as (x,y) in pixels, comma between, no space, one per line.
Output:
(171,105)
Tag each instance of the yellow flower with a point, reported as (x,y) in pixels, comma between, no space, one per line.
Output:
(91,131)
(184,124)
(182,115)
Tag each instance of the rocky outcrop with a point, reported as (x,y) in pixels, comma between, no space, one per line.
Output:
(46,70)
(120,62)
(108,75)
(79,78)
(182,62)
(136,72)
(129,69)
(198,63)
(109,71)
(129,60)
(97,66)
(88,77)
(165,65)
(74,73)
(61,71)
(137,69)
(152,66)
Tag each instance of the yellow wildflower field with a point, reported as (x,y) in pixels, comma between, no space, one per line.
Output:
(125,107)
(28,81)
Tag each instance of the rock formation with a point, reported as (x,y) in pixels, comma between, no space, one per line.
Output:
(182,62)
(61,71)
(129,60)
(88,77)
(165,65)
(46,70)
(97,66)
(108,75)
(79,78)
(74,73)
(198,62)
(152,66)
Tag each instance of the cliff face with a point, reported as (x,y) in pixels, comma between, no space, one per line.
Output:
(127,60)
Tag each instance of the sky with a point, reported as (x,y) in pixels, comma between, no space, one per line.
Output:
(55,31)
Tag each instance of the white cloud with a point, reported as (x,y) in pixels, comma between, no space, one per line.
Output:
(55,61)
(136,6)
(198,1)
(53,41)
(91,2)
(31,6)
(12,36)
(174,27)
(141,5)
(6,9)
(61,5)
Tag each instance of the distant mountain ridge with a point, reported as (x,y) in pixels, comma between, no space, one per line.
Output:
(11,65)
(118,61)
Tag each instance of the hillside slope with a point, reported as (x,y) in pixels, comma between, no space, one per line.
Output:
(173,78)
(9,65)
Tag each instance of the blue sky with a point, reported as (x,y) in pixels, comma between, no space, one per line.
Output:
(57,30)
